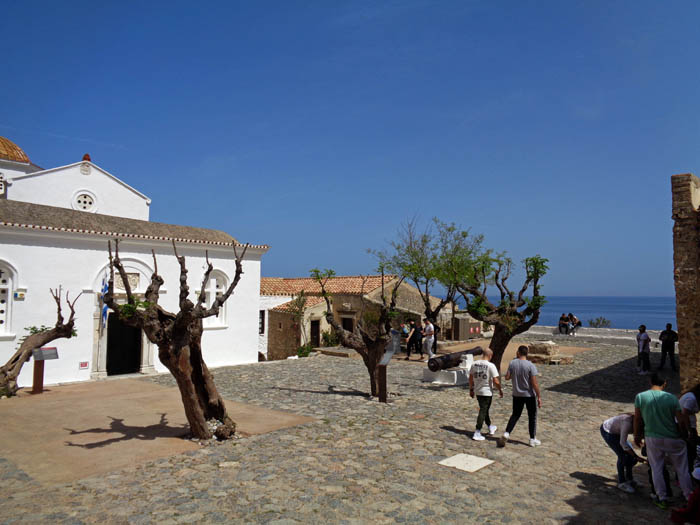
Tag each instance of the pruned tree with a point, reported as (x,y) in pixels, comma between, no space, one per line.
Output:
(514,313)
(297,308)
(371,333)
(37,338)
(179,338)
(426,259)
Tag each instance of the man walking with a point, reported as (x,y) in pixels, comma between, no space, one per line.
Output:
(655,414)
(526,393)
(428,334)
(668,340)
(643,350)
(482,378)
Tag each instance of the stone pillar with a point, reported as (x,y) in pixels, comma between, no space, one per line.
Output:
(686,275)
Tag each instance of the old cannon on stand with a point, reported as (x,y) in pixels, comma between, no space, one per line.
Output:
(438,367)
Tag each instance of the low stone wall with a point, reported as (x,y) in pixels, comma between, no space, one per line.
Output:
(600,335)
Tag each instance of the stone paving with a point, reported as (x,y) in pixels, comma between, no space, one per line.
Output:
(366,462)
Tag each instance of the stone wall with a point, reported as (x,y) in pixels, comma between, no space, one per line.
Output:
(283,338)
(686,262)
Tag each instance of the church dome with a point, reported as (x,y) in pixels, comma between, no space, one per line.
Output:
(11,151)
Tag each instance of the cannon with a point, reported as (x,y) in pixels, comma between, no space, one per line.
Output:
(446,361)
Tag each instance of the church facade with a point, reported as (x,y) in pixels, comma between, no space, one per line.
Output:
(54,228)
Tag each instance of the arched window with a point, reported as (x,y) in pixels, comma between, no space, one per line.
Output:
(6,291)
(216,287)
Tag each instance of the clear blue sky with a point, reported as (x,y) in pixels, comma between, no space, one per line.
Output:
(318,127)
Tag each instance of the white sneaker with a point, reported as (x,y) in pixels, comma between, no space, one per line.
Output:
(535,442)
(506,435)
(477,436)
(492,429)
(626,487)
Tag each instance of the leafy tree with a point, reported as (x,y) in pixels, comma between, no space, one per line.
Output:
(428,259)
(37,338)
(371,333)
(179,338)
(514,313)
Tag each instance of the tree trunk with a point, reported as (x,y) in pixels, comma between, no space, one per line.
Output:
(200,397)
(499,342)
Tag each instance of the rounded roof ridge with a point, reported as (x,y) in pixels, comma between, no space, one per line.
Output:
(11,151)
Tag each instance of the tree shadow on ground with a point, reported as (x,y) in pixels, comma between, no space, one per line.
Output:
(619,382)
(331,390)
(117,426)
(603,502)
(489,437)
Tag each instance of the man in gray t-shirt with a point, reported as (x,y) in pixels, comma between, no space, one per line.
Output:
(526,393)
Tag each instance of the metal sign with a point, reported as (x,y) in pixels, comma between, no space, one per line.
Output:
(393,347)
(45,353)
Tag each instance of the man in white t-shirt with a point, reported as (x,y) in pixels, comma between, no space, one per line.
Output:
(428,334)
(689,408)
(482,378)
(643,349)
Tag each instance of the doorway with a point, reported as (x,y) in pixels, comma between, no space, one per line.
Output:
(316,333)
(123,347)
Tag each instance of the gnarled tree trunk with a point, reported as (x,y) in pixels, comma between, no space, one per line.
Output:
(9,372)
(179,337)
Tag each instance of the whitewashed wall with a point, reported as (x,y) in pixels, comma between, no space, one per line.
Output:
(59,187)
(45,260)
(267,302)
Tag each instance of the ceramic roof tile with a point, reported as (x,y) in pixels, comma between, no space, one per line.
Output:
(343,284)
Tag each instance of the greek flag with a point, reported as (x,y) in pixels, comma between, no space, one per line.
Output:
(105,288)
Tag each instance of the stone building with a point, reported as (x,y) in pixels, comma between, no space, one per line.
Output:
(352,296)
(54,228)
(686,261)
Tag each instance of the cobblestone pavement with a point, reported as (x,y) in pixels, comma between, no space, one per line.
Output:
(366,462)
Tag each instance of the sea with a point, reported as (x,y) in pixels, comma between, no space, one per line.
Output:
(622,312)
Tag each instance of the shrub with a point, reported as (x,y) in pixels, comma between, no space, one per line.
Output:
(305,350)
(599,322)
(329,338)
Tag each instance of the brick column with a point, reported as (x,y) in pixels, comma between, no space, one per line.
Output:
(686,275)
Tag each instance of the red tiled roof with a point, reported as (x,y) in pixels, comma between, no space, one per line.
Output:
(11,151)
(345,284)
(311,300)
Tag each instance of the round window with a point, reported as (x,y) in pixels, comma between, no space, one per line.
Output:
(84,201)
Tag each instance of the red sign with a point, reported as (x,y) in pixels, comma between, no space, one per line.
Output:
(83,365)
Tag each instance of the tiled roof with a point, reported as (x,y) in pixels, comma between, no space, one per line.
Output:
(346,284)
(311,300)
(27,215)
(11,151)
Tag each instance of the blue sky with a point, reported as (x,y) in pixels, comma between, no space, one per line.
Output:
(318,127)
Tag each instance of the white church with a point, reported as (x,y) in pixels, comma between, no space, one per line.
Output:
(54,228)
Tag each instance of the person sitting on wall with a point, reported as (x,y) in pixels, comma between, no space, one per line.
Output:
(564,324)
(574,324)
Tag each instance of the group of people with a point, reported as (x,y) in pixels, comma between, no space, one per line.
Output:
(665,429)
(483,377)
(568,324)
(668,339)
(420,338)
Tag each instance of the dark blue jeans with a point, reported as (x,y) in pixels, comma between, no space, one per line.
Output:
(625,461)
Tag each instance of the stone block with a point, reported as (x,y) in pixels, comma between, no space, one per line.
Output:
(542,348)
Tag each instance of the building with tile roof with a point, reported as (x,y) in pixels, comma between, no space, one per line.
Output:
(351,295)
(54,228)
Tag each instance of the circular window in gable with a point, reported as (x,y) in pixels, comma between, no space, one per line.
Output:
(84,200)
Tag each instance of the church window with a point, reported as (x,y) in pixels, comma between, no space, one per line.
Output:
(5,299)
(216,287)
(84,200)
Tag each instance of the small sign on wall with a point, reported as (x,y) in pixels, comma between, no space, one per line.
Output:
(83,365)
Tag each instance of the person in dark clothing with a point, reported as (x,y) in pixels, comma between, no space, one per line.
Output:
(668,340)
(413,342)
(564,324)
